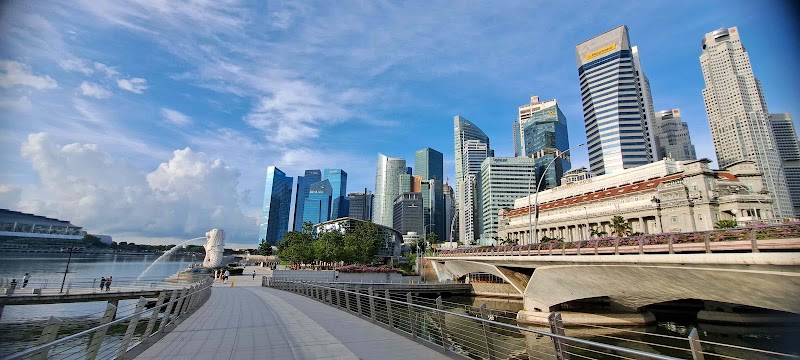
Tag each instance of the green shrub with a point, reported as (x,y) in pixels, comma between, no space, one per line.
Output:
(236,271)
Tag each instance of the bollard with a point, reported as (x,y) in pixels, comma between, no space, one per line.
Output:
(48,335)
(99,335)
(126,340)
(232,282)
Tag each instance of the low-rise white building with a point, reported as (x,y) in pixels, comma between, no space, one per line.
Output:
(661,197)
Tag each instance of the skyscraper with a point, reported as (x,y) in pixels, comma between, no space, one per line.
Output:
(429,165)
(541,134)
(360,205)
(301,194)
(789,151)
(387,187)
(464,131)
(408,213)
(317,206)
(277,201)
(450,226)
(672,136)
(502,180)
(738,115)
(338,180)
(474,153)
(615,107)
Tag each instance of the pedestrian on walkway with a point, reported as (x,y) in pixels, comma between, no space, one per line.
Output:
(254,274)
(102,283)
(25,280)
(227,273)
(108,283)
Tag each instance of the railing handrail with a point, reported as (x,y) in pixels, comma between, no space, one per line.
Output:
(47,346)
(500,324)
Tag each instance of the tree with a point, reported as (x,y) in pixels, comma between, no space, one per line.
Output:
(726,224)
(329,247)
(620,227)
(363,242)
(432,238)
(265,248)
(509,241)
(92,240)
(296,247)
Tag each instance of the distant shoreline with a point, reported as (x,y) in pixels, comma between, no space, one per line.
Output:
(85,252)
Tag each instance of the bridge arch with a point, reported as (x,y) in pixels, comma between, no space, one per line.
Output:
(459,268)
(635,286)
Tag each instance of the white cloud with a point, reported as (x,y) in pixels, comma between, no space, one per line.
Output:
(94,90)
(87,111)
(15,103)
(134,85)
(77,65)
(9,196)
(184,197)
(18,74)
(105,69)
(175,117)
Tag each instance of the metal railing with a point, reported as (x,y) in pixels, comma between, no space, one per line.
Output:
(478,335)
(96,343)
(753,239)
(88,285)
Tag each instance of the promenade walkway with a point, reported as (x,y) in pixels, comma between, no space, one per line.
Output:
(249,321)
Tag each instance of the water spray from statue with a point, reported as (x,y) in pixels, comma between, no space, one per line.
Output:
(215,246)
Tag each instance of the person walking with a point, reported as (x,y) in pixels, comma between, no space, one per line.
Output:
(108,283)
(102,283)
(25,280)
(254,274)
(227,273)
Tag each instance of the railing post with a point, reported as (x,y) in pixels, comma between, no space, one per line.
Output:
(695,345)
(99,335)
(557,327)
(48,335)
(485,316)
(346,299)
(126,340)
(388,308)
(179,306)
(442,325)
(707,240)
(156,310)
(371,303)
(358,300)
(754,239)
(167,311)
(671,241)
(411,317)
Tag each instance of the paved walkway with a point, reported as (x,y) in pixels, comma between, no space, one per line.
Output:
(249,321)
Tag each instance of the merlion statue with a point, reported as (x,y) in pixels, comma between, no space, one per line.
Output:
(215,246)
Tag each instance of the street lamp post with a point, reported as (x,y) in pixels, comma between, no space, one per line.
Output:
(532,227)
(66,270)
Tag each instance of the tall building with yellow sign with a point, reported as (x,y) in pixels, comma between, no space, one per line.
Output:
(617,105)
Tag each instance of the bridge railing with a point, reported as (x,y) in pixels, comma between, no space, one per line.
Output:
(87,285)
(141,328)
(471,335)
(754,239)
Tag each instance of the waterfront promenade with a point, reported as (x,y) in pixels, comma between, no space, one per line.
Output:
(248,321)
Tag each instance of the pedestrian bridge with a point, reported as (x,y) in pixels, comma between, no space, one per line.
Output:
(757,267)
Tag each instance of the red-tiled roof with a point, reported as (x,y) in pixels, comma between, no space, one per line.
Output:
(610,193)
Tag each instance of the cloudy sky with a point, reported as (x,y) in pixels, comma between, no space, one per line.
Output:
(155,120)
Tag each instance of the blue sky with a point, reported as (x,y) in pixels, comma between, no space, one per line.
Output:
(155,120)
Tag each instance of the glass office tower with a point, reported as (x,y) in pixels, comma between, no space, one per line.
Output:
(301,194)
(613,91)
(465,132)
(338,181)
(542,135)
(387,187)
(277,201)
(317,206)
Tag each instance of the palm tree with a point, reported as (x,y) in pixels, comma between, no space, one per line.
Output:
(620,226)
(596,232)
(726,224)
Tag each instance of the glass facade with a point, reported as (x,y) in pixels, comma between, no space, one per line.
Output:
(277,201)
(338,181)
(317,206)
(543,135)
(387,186)
(408,213)
(616,101)
(301,194)
(360,205)
(429,164)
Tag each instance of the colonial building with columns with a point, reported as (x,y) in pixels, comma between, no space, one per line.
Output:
(662,197)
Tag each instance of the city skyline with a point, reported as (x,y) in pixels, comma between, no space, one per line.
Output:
(169,126)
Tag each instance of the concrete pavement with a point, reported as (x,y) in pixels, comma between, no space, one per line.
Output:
(248,321)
